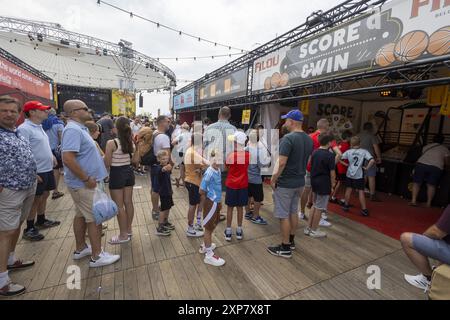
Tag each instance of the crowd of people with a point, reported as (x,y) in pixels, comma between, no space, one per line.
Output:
(213,158)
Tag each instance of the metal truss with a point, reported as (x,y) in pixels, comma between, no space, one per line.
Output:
(337,15)
(13,59)
(412,75)
(55,32)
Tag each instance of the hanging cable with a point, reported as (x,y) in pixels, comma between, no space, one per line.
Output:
(179,32)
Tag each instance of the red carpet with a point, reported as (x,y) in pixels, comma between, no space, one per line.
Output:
(391,217)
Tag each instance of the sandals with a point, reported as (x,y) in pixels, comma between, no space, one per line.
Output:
(57,195)
(116,240)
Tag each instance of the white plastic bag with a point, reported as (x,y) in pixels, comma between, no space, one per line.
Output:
(104,208)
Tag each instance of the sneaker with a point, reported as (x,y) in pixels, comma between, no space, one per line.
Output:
(105,259)
(324,215)
(334,200)
(317,234)
(279,251)
(249,215)
(365,212)
(57,195)
(202,249)
(239,234)
(32,235)
(11,290)
(19,264)
(227,235)
(214,260)
(306,231)
(83,253)
(198,227)
(259,220)
(419,281)
(194,233)
(346,207)
(169,226)
(47,224)
(161,231)
(155,215)
(324,223)
(292,245)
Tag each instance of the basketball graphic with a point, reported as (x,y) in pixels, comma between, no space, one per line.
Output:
(276,80)
(267,83)
(440,42)
(284,80)
(411,46)
(385,56)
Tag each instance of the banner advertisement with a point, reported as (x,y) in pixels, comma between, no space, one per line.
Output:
(17,78)
(401,31)
(232,85)
(184,100)
(342,114)
(246,114)
(123,103)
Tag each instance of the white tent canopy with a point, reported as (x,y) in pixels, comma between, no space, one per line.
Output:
(74,59)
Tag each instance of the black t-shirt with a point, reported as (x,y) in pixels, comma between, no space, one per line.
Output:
(322,162)
(165,185)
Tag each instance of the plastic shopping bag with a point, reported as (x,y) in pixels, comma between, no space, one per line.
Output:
(104,208)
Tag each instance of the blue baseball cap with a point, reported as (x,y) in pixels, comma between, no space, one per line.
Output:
(295,115)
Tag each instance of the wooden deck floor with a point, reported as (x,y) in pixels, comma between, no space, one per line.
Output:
(171,268)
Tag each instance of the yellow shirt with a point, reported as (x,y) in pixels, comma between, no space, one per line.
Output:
(193,163)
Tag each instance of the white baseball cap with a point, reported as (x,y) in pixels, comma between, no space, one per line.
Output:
(239,137)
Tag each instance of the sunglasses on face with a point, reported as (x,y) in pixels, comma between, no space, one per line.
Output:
(85,109)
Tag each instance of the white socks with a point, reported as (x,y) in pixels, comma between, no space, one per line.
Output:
(11,259)
(209,252)
(4,279)
(199,218)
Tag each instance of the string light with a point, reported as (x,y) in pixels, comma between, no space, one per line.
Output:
(170,28)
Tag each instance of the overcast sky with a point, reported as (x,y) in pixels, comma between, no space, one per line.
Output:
(239,23)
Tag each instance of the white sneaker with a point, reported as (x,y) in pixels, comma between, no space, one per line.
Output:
(301,216)
(317,234)
(83,253)
(214,260)
(194,233)
(324,223)
(419,281)
(104,260)
(306,231)
(202,249)
(324,215)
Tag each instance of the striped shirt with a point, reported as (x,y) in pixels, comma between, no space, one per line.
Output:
(215,138)
(119,158)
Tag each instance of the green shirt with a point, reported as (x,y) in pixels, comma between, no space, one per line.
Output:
(297,146)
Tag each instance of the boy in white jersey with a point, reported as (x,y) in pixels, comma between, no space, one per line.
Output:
(355,174)
(211,192)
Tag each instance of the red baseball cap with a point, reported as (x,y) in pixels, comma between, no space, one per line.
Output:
(34,105)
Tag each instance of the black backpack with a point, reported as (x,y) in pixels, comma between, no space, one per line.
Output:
(149,159)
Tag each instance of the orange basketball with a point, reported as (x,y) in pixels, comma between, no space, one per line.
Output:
(440,42)
(284,80)
(411,46)
(276,80)
(385,56)
(267,83)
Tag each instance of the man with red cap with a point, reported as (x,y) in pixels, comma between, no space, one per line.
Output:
(35,113)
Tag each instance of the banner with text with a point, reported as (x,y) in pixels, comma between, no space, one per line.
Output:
(184,100)
(230,86)
(17,78)
(402,31)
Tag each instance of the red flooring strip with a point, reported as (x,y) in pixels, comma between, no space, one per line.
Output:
(391,217)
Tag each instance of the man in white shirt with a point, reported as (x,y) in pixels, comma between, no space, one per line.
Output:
(429,168)
(161,141)
(136,125)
